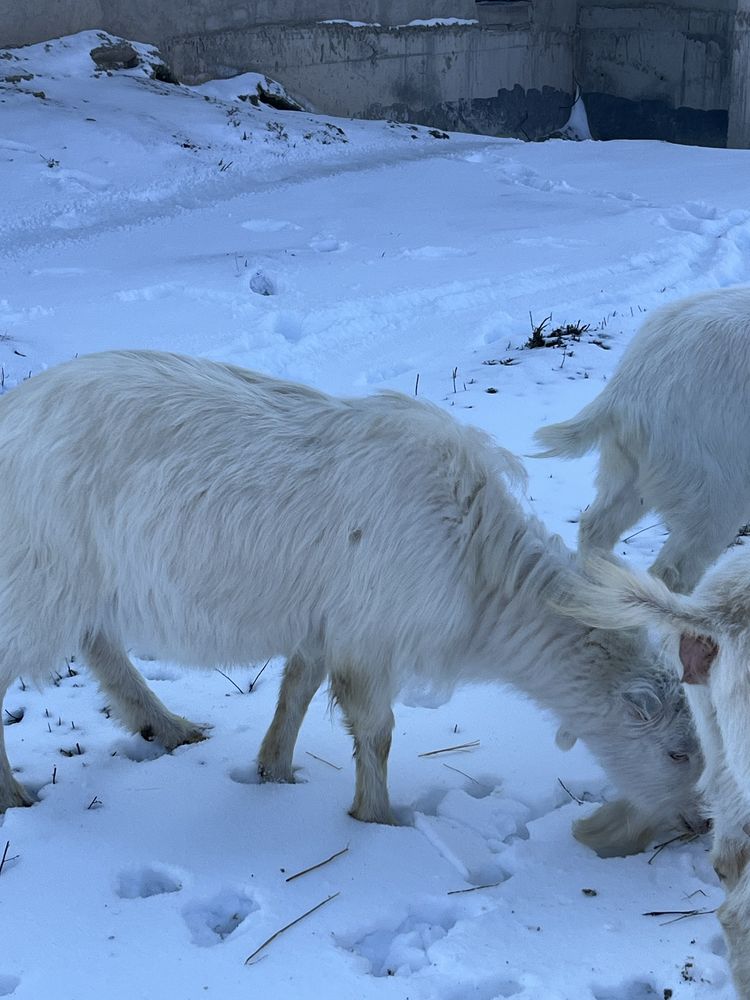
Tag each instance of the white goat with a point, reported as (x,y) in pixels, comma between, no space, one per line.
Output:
(673,430)
(711,636)
(216,516)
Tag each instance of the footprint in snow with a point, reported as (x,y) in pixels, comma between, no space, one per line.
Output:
(718,946)
(212,921)
(151,880)
(491,989)
(430,252)
(245,774)
(261,284)
(324,244)
(404,950)
(12,716)
(636,989)
(158,671)
(268,225)
(137,749)
(8,985)
(408,948)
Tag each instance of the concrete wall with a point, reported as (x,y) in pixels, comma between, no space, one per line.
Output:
(23,22)
(674,70)
(656,70)
(511,76)
(738,132)
(505,82)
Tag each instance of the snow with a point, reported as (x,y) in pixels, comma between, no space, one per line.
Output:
(354,256)
(351,24)
(433,22)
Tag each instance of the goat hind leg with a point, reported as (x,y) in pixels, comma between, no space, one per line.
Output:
(367,709)
(618,504)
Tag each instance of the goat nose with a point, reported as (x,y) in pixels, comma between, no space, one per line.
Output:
(697,825)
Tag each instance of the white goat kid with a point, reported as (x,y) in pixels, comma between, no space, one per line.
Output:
(216,516)
(672,427)
(711,633)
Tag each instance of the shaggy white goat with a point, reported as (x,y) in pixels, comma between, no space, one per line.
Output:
(711,634)
(216,516)
(672,427)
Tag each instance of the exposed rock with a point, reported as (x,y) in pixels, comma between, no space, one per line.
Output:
(119,55)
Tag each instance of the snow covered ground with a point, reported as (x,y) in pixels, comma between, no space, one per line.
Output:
(353,256)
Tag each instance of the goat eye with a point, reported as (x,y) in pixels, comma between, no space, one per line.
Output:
(678,756)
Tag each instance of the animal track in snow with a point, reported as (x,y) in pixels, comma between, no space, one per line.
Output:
(268,225)
(137,749)
(703,219)
(483,808)
(150,293)
(245,775)
(463,848)
(290,326)
(325,244)
(151,880)
(213,920)
(492,989)
(405,950)
(8,985)
(433,252)
(636,989)
(12,716)
(152,670)
(718,946)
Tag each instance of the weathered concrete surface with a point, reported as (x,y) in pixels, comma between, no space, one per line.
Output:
(453,77)
(675,70)
(738,131)
(23,22)
(656,70)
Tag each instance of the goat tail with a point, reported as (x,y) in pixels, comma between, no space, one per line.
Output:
(571,438)
(609,596)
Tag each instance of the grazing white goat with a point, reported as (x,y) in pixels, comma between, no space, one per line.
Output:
(711,634)
(673,430)
(216,516)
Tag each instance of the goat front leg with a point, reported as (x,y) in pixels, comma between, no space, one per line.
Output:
(12,793)
(734,916)
(302,678)
(135,703)
(724,800)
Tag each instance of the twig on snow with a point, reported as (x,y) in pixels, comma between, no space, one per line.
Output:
(320,864)
(566,789)
(5,857)
(473,888)
(459,771)
(231,680)
(686,838)
(677,914)
(459,746)
(255,681)
(323,760)
(249,959)
(640,531)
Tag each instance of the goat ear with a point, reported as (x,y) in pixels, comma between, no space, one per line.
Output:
(643,702)
(697,653)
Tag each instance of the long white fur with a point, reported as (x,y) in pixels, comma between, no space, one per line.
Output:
(672,427)
(212,516)
(719,609)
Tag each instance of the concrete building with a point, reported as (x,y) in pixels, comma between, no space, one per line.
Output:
(676,71)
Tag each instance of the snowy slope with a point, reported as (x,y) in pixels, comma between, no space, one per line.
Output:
(353,256)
